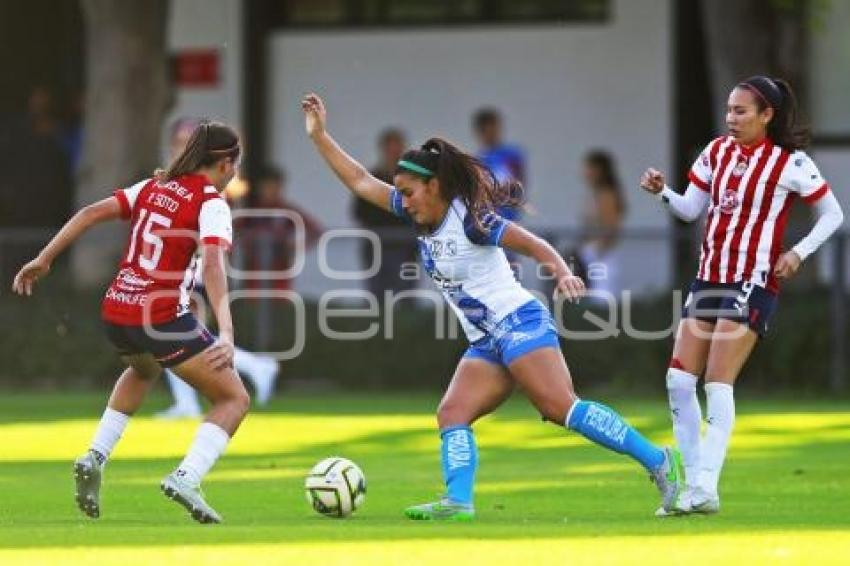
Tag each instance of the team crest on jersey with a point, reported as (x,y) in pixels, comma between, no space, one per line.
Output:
(729,201)
(740,168)
(441,248)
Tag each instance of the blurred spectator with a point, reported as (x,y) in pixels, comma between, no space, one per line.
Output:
(36,188)
(269,241)
(394,251)
(604,213)
(71,133)
(506,161)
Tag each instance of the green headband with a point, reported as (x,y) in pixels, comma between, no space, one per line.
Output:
(404,164)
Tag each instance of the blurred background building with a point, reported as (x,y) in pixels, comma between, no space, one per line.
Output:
(643,80)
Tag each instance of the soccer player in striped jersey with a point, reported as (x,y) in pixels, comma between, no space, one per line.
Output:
(260,370)
(745,182)
(146,308)
(450,197)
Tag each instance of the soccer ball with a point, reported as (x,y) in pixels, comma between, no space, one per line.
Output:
(335,487)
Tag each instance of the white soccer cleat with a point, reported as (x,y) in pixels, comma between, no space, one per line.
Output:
(190,497)
(264,378)
(704,502)
(682,507)
(87,476)
(669,478)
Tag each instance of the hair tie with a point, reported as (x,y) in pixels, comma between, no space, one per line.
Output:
(410,166)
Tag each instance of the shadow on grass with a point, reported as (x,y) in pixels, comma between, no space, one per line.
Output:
(542,483)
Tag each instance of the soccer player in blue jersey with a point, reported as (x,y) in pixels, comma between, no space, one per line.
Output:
(449,196)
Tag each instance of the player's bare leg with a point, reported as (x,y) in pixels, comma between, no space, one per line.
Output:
(476,389)
(230,401)
(127,396)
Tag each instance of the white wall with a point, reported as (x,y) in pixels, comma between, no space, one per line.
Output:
(834,165)
(830,69)
(209,24)
(563,90)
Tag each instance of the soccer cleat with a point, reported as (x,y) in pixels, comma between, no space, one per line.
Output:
(443,510)
(705,502)
(87,475)
(683,505)
(189,496)
(669,478)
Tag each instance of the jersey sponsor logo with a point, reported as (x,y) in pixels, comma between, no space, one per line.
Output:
(128,280)
(125,298)
(458,449)
(729,201)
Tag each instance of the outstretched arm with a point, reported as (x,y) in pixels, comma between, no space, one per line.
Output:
(687,207)
(520,240)
(353,175)
(91,215)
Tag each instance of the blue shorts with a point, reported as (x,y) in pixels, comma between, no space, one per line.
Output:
(528,328)
(187,338)
(742,302)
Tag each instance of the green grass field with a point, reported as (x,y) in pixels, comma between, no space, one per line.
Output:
(544,496)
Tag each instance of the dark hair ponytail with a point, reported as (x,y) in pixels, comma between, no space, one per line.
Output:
(463,176)
(782,128)
(209,142)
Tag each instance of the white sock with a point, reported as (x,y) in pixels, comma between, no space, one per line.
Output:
(184,394)
(687,419)
(208,446)
(109,431)
(720,416)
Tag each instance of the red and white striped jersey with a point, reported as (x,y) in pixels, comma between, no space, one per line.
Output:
(167,221)
(751,190)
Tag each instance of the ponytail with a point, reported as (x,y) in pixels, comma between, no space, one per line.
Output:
(784,128)
(462,176)
(210,142)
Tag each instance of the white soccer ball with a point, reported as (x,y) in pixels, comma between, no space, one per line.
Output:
(335,487)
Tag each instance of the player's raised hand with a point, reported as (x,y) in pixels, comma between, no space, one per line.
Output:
(787,265)
(315,115)
(571,287)
(652,181)
(28,275)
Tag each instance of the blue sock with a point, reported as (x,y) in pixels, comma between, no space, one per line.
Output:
(604,426)
(460,460)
